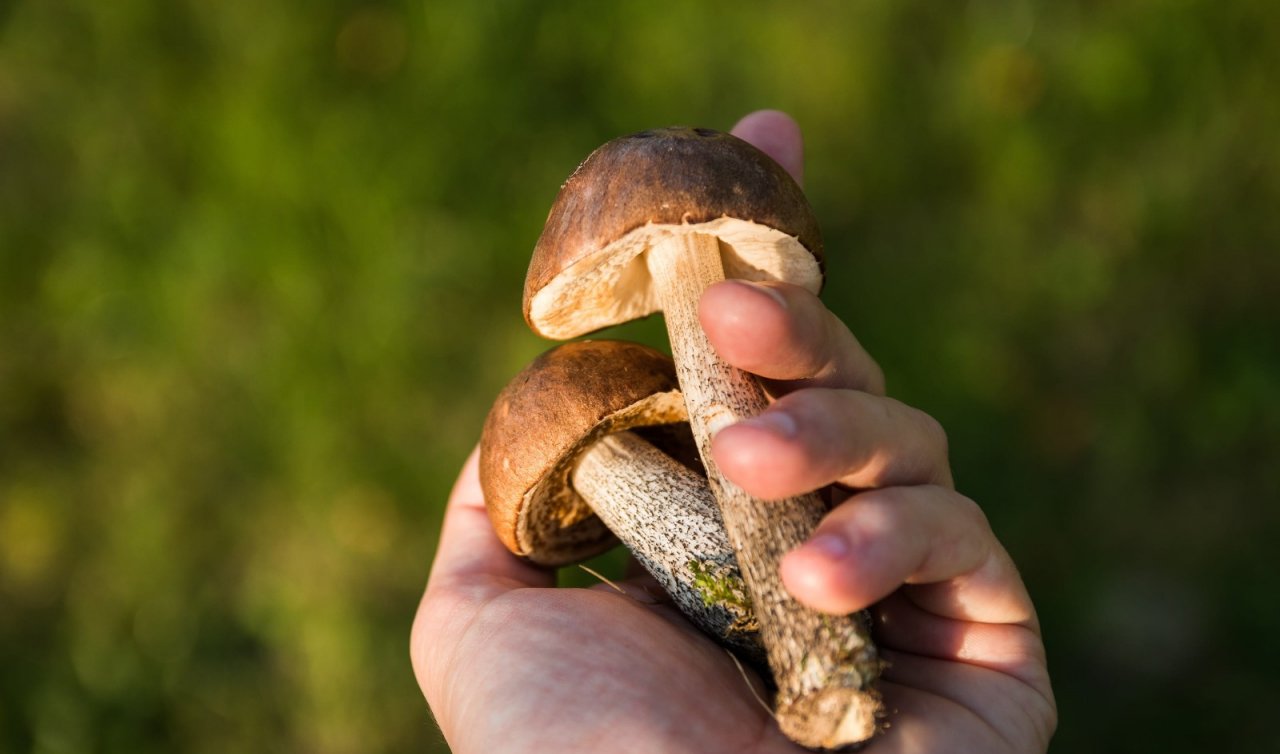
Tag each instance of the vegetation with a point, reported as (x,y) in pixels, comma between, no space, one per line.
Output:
(260,271)
(721,584)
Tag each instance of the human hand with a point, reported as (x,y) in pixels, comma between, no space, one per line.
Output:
(509,663)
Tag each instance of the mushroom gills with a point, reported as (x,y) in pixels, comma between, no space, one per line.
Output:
(612,284)
(555,525)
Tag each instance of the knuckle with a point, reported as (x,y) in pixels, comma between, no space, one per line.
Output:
(810,406)
(876,510)
(815,354)
(887,501)
(971,511)
(875,379)
(824,333)
(934,434)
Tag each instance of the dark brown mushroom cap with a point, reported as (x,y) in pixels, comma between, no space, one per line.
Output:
(671,179)
(546,416)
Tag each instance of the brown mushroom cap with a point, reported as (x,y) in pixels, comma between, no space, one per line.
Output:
(550,412)
(588,269)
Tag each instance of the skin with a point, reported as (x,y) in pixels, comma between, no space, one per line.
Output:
(509,663)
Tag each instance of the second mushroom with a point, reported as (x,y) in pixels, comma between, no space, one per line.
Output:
(578,449)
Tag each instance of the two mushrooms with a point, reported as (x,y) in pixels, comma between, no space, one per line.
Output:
(602,438)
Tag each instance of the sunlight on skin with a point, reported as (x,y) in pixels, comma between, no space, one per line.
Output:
(508,663)
(811,343)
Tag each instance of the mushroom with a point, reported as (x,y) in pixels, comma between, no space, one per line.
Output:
(647,223)
(564,469)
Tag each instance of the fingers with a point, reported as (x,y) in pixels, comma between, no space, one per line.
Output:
(811,438)
(469,556)
(1011,649)
(776,134)
(783,333)
(999,700)
(930,537)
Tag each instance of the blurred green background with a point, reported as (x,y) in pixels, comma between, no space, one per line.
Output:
(260,271)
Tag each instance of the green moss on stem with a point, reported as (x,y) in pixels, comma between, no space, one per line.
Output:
(720,585)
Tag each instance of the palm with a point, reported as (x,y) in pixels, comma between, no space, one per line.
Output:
(597,669)
(595,663)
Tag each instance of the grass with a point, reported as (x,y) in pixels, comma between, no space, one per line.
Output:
(260,269)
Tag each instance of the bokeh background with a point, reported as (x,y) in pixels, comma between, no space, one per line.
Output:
(260,269)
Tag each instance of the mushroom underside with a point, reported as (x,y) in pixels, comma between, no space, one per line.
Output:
(613,285)
(555,526)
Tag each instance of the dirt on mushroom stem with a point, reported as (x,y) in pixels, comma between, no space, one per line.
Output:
(824,666)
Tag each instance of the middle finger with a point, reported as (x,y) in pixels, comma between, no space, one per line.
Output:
(811,438)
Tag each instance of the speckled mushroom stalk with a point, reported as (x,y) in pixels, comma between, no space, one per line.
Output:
(666,516)
(559,465)
(821,661)
(647,223)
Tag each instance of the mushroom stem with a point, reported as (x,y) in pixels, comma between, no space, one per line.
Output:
(824,665)
(665,514)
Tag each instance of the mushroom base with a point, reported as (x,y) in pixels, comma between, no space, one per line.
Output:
(824,665)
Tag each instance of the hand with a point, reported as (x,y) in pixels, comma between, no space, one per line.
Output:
(509,663)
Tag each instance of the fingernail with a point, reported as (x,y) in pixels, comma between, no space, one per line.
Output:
(717,418)
(775,422)
(767,290)
(827,546)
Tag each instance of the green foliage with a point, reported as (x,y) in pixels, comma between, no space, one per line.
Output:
(260,269)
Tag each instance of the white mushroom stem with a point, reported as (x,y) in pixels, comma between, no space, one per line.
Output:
(824,665)
(666,515)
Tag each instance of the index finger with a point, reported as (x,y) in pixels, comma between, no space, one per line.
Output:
(783,333)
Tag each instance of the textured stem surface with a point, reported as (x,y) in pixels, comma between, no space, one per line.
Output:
(824,665)
(666,515)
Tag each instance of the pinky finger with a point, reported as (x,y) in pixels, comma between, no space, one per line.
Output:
(931,538)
